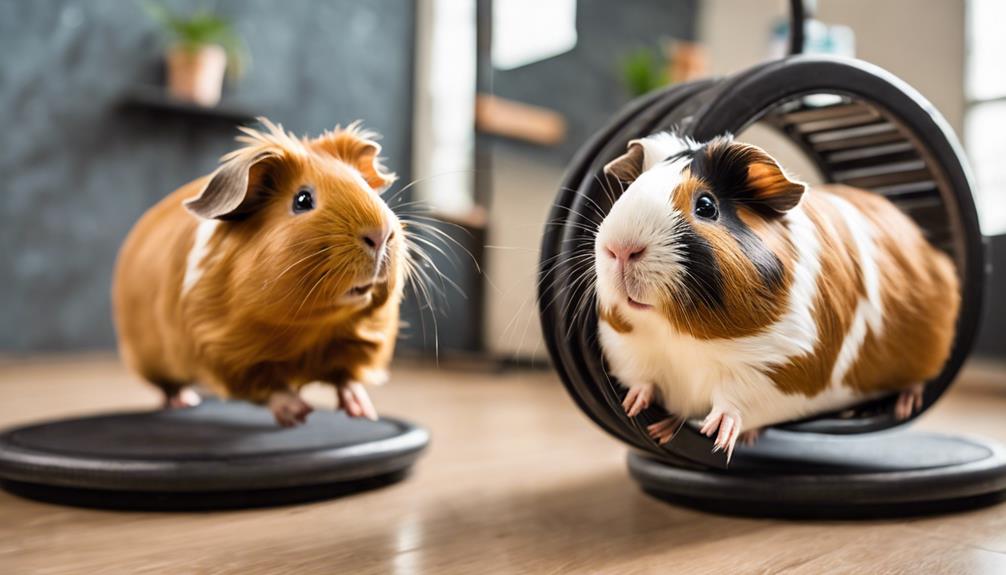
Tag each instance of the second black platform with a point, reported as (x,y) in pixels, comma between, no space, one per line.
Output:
(806,475)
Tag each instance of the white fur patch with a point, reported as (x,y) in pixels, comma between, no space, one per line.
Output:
(658,147)
(869,309)
(643,216)
(198,252)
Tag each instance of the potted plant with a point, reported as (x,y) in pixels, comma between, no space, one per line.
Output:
(643,70)
(203,46)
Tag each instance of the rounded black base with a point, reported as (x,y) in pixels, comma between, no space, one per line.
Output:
(219,455)
(805,475)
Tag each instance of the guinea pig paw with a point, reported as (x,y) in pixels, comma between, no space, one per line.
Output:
(353,397)
(640,397)
(288,408)
(909,401)
(664,430)
(726,425)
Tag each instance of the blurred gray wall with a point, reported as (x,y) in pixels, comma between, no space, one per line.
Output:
(78,170)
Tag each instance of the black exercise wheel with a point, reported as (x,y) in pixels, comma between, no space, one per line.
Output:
(860,126)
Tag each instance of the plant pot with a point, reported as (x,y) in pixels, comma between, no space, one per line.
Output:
(196,73)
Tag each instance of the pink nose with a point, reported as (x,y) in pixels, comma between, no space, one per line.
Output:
(374,239)
(626,252)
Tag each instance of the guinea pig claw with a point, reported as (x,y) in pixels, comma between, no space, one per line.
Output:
(353,398)
(726,426)
(664,430)
(288,408)
(640,397)
(909,401)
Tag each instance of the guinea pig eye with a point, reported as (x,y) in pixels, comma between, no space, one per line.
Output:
(303,201)
(705,207)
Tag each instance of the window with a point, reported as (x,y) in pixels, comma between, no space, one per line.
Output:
(985,120)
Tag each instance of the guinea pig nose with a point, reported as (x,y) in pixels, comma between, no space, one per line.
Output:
(374,239)
(626,252)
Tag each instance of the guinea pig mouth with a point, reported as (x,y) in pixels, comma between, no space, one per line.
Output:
(630,287)
(637,304)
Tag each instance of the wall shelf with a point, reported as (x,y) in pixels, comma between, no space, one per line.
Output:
(156,99)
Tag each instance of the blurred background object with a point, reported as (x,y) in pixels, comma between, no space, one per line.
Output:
(202,47)
(110,105)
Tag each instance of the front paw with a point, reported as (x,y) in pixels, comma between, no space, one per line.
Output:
(288,408)
(664,430)
(353,397)
(640,397)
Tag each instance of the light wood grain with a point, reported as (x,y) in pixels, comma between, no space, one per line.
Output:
(517,480)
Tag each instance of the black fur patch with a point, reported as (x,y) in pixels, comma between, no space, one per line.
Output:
(704,280)
(724,169)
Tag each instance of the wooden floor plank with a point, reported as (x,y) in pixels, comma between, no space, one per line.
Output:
(516,480)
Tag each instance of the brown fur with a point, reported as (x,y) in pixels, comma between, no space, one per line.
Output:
(613,317)
(919,291)
(839,287)
(264,316)
(921,299)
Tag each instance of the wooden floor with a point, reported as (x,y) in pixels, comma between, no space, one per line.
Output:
(517,480)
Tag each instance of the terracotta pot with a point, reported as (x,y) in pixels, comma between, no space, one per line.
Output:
(196,74)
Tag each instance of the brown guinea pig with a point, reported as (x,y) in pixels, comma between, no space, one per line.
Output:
(730,291)
(282,267)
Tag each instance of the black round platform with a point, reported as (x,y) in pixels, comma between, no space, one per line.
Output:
(806,475)
(217,455)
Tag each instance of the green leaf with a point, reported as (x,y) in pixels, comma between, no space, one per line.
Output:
(643,70)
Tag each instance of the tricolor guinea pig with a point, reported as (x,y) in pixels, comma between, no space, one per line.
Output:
(729,291)
(282,267)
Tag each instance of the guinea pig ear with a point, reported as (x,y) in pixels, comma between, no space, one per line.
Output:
(229,193)
(368,162)
(358,148)
(771,185)
(627,167)
(647,152)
